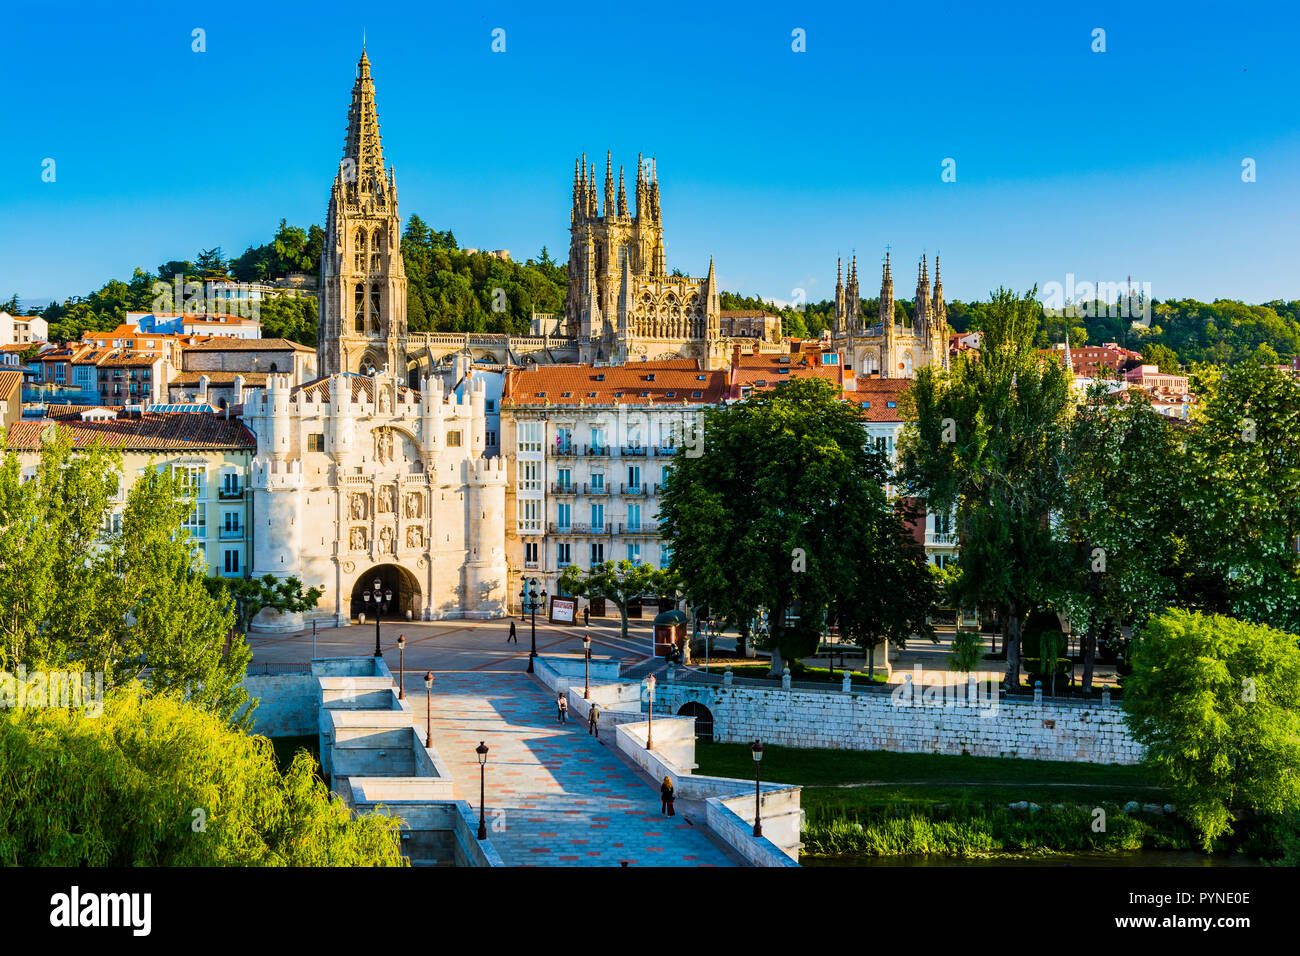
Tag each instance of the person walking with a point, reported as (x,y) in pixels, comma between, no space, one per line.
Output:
(586,615)
(667,795)
(512,636)
(593,720)
(562,707)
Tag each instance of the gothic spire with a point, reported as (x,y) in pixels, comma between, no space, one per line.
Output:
(609,183)
(622,194)
(654,189)
(363,153)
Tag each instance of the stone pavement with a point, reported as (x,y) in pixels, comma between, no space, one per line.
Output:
(555,796)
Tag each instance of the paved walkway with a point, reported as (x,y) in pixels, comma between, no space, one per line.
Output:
(555,796)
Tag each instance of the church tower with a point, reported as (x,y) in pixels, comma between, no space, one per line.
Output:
(362,279)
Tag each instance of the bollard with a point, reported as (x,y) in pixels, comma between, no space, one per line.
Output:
(972,694)
(785,678)
(1038,692)
(726,675)
(846,685)
(1105,696)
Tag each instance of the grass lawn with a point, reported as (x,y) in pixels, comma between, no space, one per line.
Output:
(923,779)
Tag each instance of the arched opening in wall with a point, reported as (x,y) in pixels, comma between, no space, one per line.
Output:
(703,719)
(391,577)
(274,368)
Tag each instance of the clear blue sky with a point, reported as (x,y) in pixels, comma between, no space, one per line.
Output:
(1105,165)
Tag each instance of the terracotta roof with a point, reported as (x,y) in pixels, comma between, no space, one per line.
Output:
(363,390)
(873,395)
(770,370)
(675,382)
(747,314)
(150,431)
(8,382)
(20,346)
(218,379)
(248,345)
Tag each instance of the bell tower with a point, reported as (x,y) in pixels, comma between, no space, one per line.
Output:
(362,279)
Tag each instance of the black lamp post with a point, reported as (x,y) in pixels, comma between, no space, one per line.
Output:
(401,667)
(482,752)
(586,668)
(757,750)
(428,708)
(650,725)
(381,597)
(530,600)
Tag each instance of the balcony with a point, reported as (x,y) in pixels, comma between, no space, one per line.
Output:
(645,529)
(633,451)
(231,534)
(567,450)
(596,490)
(230,494)
(598,451)
(564,488)
(578,528)
(638,491)
(936,537)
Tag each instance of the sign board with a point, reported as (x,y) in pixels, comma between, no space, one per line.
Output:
(563,610)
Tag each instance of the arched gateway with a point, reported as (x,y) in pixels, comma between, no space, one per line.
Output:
(407,602)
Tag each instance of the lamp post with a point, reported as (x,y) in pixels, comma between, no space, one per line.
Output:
(428,708)
(757,750)
(650,726)
(586,668)
(401,667)
(530,600)
(482,752)
(381,597)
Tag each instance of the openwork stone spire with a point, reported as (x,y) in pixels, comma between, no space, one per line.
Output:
(363,153)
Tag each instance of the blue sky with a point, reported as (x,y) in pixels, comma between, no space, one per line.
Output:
(1104,165)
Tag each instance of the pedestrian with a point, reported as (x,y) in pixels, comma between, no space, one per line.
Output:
(667,795)
(512,636)
(593,720)
(586,615)
(562,706)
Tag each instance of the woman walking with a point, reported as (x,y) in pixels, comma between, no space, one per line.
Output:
(667,795)
(512,636)
(562,706)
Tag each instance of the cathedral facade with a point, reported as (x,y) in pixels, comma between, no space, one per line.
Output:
(359,482)
(889,348)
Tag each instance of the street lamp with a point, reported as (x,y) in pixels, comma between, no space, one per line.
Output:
(530,600)
(482,752)
(401,667)
(381,597)
(650,726)
(428,708)
(586,668)
(757,750)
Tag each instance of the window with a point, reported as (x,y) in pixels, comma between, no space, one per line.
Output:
(564,554)
(230,522)
(563,516)
(830,358)
(491,438)
(530,554)
(453,439)
(563,440)
(597,517)
(491,405)
(597,437)
(197,522)
(597,481)
(529,437)
(230,561)
(530,514)
(597,553)
(634,517)
(530,476)
(564,478)
(634,478)
(316,441)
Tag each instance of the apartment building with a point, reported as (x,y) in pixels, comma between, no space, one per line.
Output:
(586,447)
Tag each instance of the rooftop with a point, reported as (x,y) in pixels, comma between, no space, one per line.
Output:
(664,382)
(146,432)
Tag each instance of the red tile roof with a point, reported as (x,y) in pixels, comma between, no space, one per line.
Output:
(195,430)
(873,395)
(675,382)
(9,382)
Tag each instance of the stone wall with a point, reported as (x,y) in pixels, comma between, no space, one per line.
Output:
(286,704)
(931,723)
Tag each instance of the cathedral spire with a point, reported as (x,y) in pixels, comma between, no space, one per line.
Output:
(609,183)
(622,194)
(592,209)
(363,153)
(654,190)
(577,191)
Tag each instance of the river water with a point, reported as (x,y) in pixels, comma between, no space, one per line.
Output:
(1126,858)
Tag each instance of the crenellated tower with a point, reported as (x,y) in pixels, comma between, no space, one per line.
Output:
(362,279)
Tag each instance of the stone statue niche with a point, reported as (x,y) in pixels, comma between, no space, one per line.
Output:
(386,499)
(414,537)
(386,540)
(359,507)
(358,539)
(414,504)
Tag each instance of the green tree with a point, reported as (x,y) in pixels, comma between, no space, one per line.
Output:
(967,651)
(1162,357)
(985,439)
(1119,515)
(619,583)
(1216,703)
(785,509)
(251,596)
(157,781)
